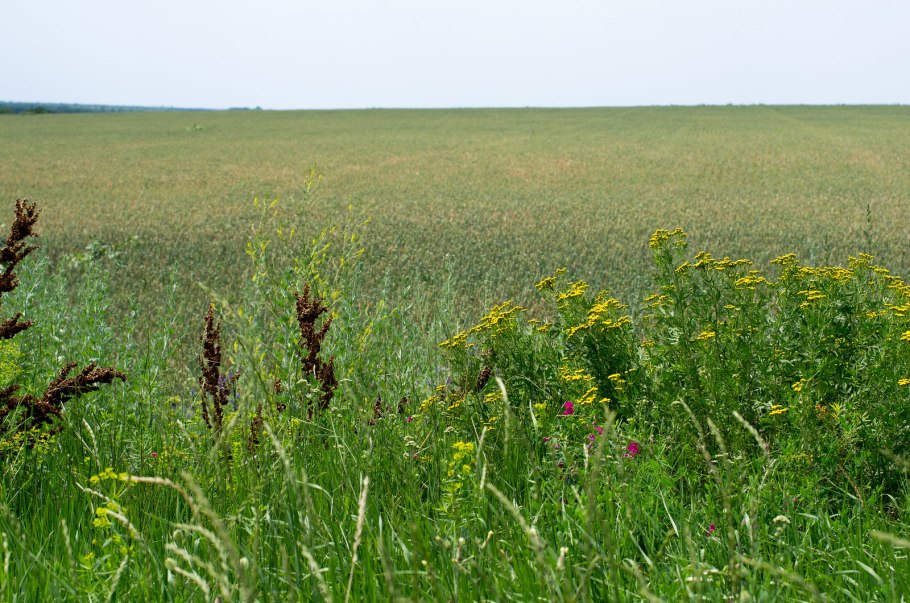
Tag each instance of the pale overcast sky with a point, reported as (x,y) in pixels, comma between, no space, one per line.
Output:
(464,53)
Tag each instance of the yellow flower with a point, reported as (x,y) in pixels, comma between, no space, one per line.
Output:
(706,335)
(799,385)
(785,260)
(661,236)
(549,282)
(903,382)
(777,409)
(575,289)
(457,340)
(568,375)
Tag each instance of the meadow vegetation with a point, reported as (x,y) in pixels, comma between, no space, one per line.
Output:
(296,425)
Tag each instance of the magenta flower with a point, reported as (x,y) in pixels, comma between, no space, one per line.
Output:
(546,439)
(569,408)
(410,419)
(632,450)
(154,455)
(598,429)
(711,529)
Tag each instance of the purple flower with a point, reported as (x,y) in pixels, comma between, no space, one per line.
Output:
(711,529)
(598,429)
(632,450)
(410,419)
(569,408)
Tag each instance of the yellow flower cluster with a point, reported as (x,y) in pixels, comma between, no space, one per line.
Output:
(705,335)
(590,396)
(777,409)
(751,280)
(464,456)
(785,260)
(549,283)
(655,301)
(812,294)
(705,261)
(599,315)
(456,341)
(799,385)
(661,236)
(575,289)
(462,449)
(109,473)
(568,375)
(101,520)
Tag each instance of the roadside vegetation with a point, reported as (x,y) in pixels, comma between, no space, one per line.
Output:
(476,360)
(741,435)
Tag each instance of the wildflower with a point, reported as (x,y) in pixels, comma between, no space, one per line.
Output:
(799,385)
(410,419)
(903,382)
(569,408)
(632,450)
(549,282)
(154,455)
(711,529)
(599,429)
(777,409)
(705,336)
(661,236)
(575,290)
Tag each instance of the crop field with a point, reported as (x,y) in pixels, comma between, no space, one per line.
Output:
(492,198)
(631,354)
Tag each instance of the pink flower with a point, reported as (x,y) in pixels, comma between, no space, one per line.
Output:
(410,419)
(546,439)
(632,450)
(569,408)
(598,429)
(711,529)
(154,455)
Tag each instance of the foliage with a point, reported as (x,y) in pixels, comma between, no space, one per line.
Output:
(590,454)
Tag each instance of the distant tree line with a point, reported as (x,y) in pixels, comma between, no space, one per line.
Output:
(7,107)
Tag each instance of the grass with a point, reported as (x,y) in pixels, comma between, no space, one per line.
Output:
(494,198)
(455,473)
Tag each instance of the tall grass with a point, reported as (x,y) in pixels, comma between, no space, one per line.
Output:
(589,454)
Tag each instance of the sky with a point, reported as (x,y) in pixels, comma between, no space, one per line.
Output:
(334,54)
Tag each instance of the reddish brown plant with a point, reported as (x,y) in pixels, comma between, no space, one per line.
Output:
(255,429)
(29,412)
(311,338)
(212,383)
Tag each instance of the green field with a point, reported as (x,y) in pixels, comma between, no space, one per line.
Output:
(707,430)
(497,198)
